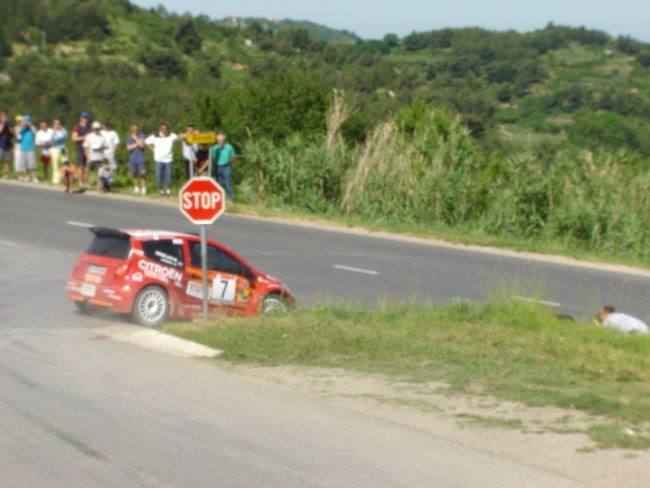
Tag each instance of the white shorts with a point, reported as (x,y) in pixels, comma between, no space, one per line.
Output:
(28,160)
(18,161)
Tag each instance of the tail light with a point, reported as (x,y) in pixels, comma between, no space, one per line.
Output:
(121,270)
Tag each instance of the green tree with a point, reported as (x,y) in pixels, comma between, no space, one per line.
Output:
(273,106)
(187,36)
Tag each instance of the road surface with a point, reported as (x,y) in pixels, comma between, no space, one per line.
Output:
(79,409)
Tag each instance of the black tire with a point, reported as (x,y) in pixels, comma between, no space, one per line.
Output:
(84,307)
(274,304)
(151,306)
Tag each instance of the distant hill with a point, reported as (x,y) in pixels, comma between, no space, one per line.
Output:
(555,86)
(316,31)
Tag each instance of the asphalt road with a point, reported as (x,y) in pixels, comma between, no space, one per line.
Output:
(320,265)
(78,409)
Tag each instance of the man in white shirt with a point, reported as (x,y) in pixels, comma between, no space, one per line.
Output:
(94,146)
(45,140)
(189,151)
(621,322)
(111,141)
(162,146)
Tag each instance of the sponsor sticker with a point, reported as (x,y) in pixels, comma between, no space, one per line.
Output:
(159,272)
(137,277)
(195,290)
(88,290)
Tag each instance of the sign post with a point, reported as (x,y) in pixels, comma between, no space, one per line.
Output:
(202,201)
(207,138)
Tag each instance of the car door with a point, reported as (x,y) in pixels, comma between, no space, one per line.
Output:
(229,287)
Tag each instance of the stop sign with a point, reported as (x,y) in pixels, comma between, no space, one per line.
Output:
(202,200)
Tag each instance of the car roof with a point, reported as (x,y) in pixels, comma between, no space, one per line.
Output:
(138,233)
(148,234)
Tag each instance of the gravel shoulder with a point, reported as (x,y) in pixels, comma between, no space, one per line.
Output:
(553,439)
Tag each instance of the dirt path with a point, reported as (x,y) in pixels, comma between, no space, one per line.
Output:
(549,438)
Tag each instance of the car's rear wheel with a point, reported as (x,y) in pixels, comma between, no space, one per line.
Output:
(274,304)
(84,307)
(151,306)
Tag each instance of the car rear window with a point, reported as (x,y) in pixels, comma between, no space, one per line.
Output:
(110,246)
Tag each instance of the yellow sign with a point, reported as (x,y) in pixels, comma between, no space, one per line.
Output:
(201,138)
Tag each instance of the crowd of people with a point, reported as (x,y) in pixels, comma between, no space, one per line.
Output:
(96,145)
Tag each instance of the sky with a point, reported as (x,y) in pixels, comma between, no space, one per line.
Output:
(372,19)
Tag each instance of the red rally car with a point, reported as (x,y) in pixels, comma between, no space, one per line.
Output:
(154,275)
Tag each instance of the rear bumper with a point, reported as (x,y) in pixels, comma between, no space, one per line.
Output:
(118,298)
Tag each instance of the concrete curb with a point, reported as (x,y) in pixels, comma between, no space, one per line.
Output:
(158,341)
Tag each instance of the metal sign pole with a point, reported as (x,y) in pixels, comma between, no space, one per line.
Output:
(204,271)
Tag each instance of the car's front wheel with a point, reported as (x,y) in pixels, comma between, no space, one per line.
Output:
(151,306)
(274,304)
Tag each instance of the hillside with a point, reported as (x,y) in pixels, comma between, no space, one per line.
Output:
(511,118)
(558,83)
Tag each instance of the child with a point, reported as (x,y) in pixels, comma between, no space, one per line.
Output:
(68,173)
(105,175)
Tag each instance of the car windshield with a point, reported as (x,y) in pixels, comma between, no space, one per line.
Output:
(110,246)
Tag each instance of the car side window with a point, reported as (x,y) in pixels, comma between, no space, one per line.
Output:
(218,260)
(165,251)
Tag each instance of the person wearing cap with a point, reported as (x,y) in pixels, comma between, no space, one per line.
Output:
(112,140)
(79,133)
(28,148)
(95,145)
(6,142)
(189,151)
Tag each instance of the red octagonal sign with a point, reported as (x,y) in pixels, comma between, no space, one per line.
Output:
(202,200)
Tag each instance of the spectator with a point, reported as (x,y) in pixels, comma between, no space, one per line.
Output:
(201,160)
(45,141)
(79,133)
(189,151)
(95,146)
(137,163)
(621,322)
(28,148)
(105,175)
(223,154)
(68,173)
(162,146)
(60,136)
(18,160)
(112,140)
(6,143)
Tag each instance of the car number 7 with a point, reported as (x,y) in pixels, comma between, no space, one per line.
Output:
(223,289)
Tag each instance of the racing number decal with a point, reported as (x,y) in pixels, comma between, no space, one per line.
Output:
(223,289)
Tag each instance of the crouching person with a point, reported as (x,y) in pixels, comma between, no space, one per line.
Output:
(105,174)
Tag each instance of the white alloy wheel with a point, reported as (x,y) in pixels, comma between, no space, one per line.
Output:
(274,305)
(151,306)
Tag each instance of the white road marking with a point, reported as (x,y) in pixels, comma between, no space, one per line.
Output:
(533,300)
(79,224)
(356,270)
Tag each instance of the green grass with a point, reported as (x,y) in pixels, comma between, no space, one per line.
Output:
(513,351)
(615,435)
